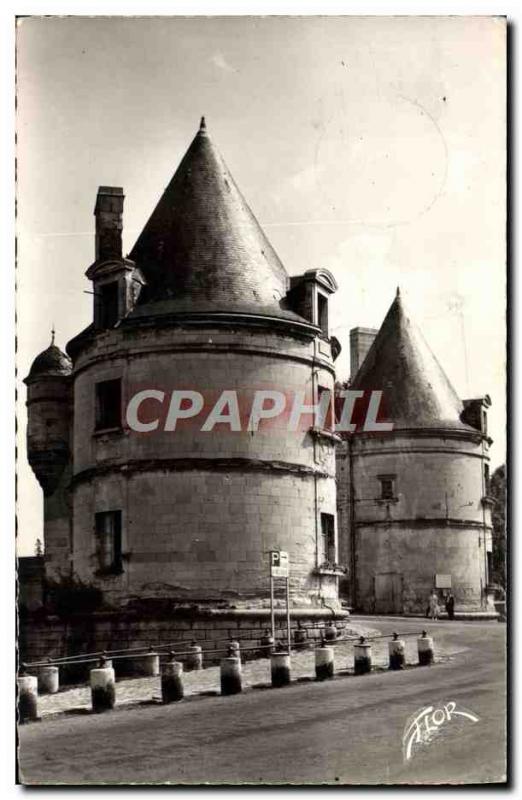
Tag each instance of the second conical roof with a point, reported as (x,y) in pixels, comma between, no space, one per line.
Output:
(416,390)
(202,248)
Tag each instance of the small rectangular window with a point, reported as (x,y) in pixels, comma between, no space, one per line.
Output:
(328,537)
(387,487)
(108,404)
(322,313)
(109,304)
(486,479)
(323,393)
(484,422)
(108,540)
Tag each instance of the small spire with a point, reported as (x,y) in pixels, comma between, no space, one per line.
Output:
(202,124)
(53,332)
(398,294)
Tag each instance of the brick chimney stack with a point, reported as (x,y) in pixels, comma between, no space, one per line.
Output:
(108,213)
(361,339)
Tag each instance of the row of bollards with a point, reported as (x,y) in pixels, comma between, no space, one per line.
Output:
(103,683)
(145,665)
(362,657)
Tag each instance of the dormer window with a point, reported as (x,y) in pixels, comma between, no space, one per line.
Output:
(322,312)
(309,294)
(109,315)
(475,413)
(117,286)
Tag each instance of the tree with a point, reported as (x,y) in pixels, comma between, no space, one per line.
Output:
(498,493)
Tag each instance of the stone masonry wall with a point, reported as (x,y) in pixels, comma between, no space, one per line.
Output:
(52,637)
(57,528)
(200,509)
(206,535)
(436,523)
(415,555)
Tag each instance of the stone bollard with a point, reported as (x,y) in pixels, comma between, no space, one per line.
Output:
(280,669)
(172,681)
(267,645)
(146,665)
(103,690)
(396,652)
(194,660)
(425,650)
(48,680)
(27,698)
(362,657)
(230,673)
(300,637)
(324,663)
(330,632)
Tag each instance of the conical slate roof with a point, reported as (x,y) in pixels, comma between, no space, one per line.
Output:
(50,362)
(202,248)
(416,392)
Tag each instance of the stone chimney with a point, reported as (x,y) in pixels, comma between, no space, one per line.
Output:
(108,213)
(361,339)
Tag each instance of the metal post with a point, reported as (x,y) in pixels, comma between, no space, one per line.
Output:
(272,612)
(288,635)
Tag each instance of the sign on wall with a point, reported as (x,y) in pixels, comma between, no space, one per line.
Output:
(443,581)
(279,564)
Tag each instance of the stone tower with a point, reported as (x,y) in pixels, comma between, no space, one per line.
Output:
(414,511)
(49,409)
(201,304)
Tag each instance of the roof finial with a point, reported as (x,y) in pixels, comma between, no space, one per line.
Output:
(398,294)
(52,335)
(202,124)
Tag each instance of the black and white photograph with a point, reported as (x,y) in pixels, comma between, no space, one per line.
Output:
(261,448)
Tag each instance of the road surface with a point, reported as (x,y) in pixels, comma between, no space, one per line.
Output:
(346,731)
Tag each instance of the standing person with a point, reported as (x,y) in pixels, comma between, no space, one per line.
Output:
(434,605)
(450,606)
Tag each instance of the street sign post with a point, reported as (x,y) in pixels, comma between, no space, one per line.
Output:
(280,568)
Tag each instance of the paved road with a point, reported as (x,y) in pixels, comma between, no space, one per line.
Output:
(340,732)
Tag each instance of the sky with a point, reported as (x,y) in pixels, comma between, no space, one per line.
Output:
(370,146)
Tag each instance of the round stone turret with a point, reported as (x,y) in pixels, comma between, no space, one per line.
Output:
(48,409)
(190,512)
(414,499)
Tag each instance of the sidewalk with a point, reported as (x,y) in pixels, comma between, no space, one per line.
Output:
(138,690)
